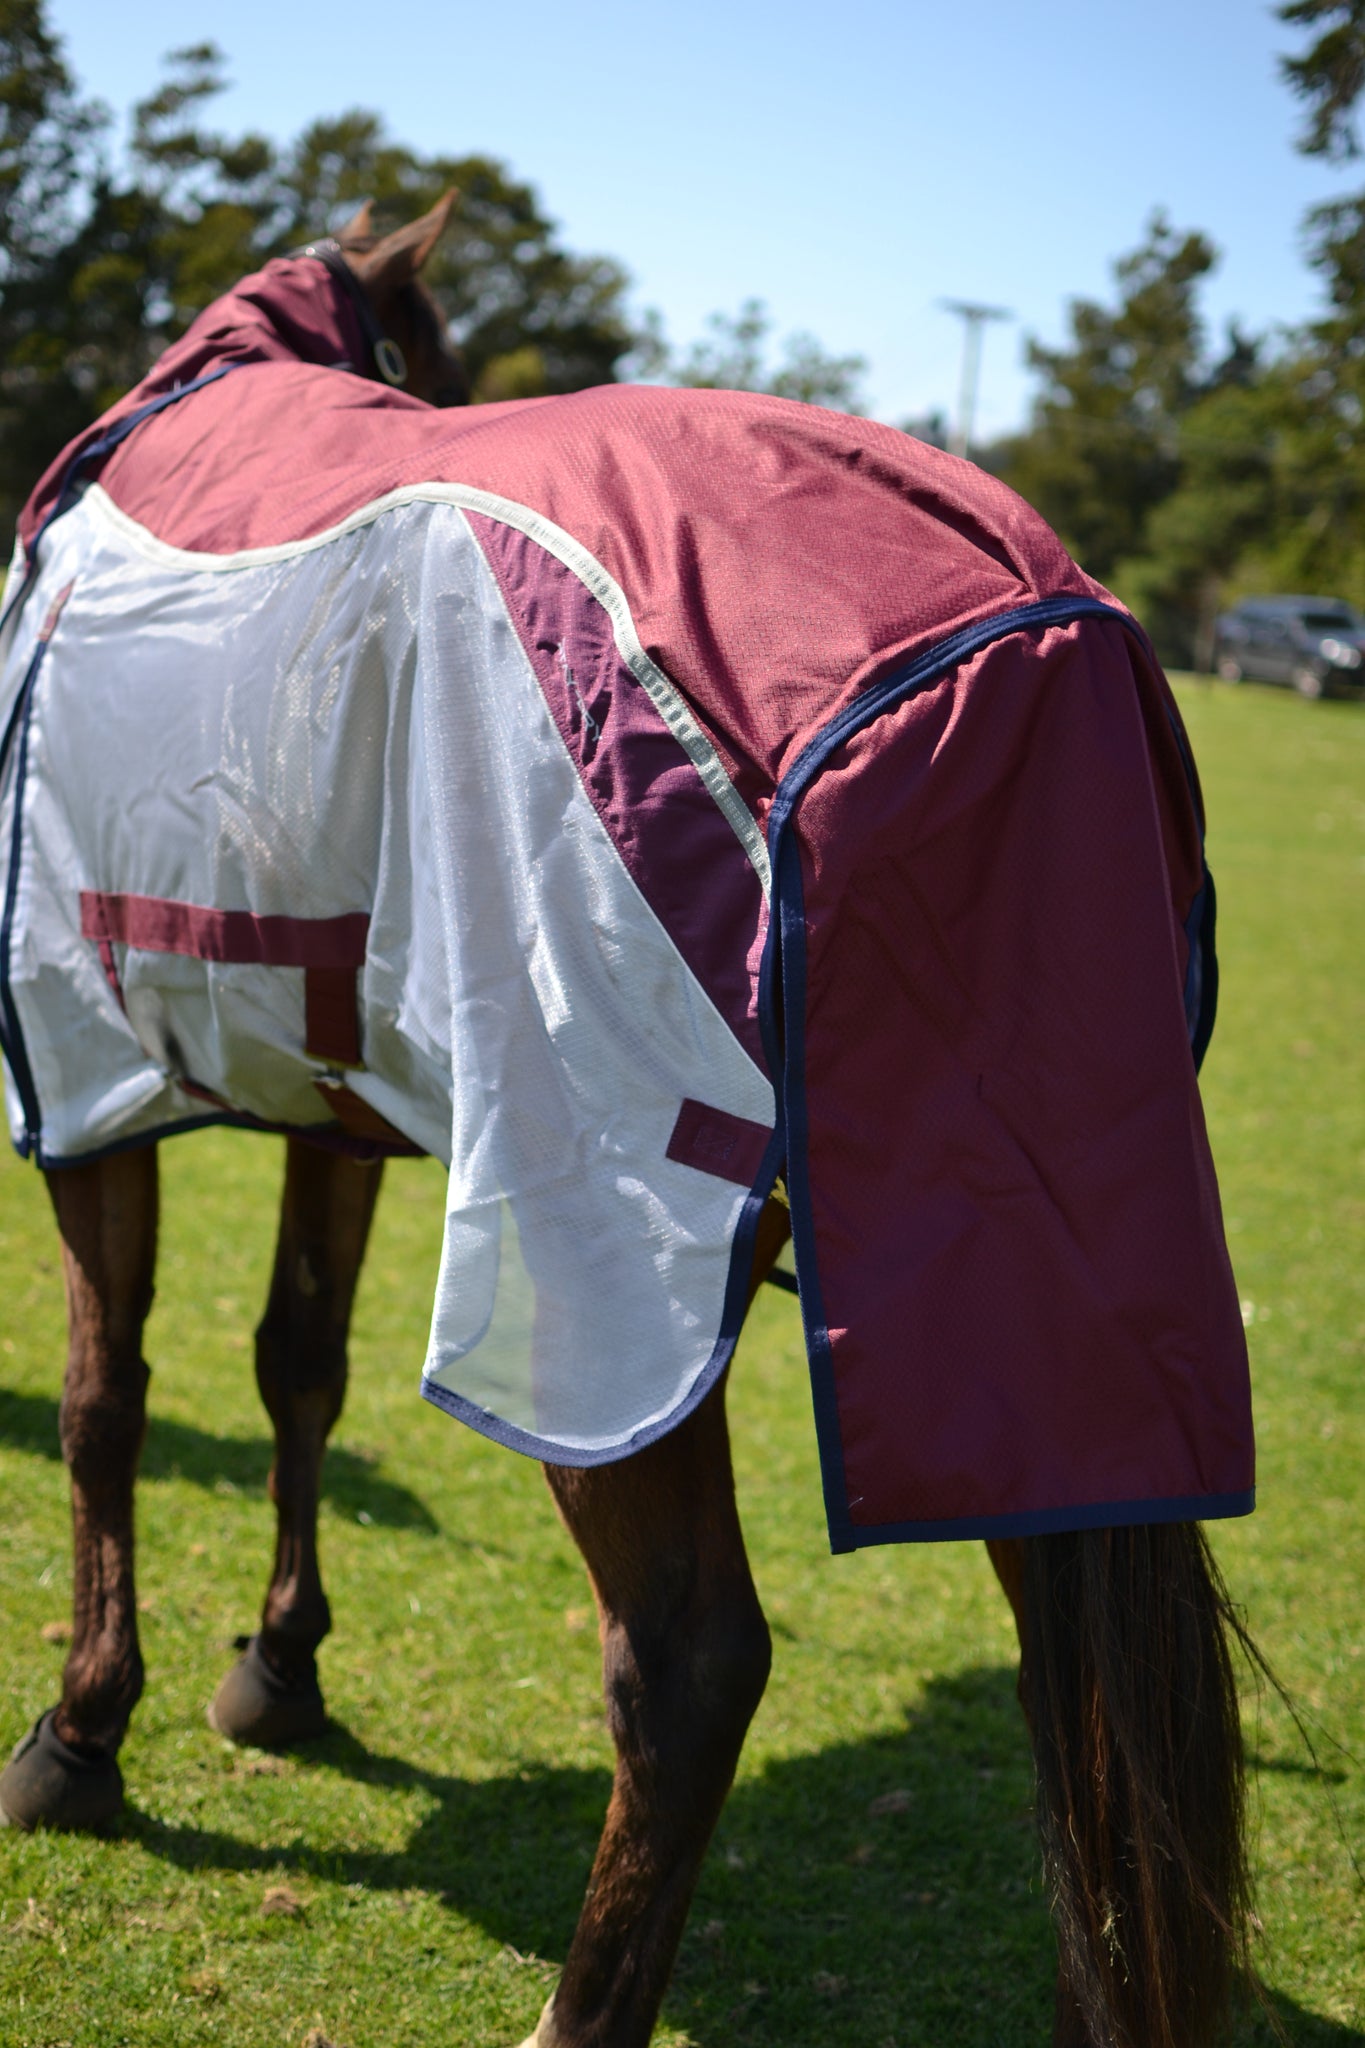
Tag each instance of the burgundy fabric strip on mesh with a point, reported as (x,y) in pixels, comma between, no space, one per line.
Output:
(238,938)
(678,848)
(330,950)
(715,1141)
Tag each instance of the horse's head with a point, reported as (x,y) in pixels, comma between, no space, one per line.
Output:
(412,350)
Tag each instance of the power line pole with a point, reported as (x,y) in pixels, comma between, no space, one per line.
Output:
(973,318)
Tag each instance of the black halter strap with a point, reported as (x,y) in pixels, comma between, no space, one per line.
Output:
(387,360)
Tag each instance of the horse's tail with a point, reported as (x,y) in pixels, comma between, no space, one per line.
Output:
(1128,1684)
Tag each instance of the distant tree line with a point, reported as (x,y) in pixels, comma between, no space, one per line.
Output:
(106,257)
(1185,478)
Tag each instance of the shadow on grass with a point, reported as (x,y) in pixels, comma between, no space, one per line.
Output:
(1301,2028)
(177,1450)
(878,1891)
(510,1853)
(1296,1767)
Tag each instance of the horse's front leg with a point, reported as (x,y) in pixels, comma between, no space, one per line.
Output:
(685,1654)
(64,1773)
(271,1696)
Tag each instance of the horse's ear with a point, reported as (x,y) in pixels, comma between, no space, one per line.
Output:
(358,232)
(396,259)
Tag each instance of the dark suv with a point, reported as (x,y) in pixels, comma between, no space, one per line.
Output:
(1315,643)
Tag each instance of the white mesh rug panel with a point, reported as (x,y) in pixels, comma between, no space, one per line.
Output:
(355,727)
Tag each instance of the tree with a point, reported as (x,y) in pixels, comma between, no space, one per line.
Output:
(1181,485)
(48,141)
(1102,450)
(1319,537)
(734,356)
(100,269)
(1329,75)
(1319,533)
(931,427)
(1172,479)
(1271,486)
(1222,504)
(45,137)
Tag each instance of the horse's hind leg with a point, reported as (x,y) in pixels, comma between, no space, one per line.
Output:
(272,1696)
(685,1659)
(64,1773)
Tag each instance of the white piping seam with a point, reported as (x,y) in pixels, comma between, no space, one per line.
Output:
(662,692)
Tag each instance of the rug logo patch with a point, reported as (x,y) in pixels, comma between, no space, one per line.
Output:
(716,1142)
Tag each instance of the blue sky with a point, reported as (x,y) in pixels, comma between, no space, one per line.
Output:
(850,163)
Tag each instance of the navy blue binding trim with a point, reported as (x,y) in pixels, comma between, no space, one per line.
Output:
(732,1316)
(11,1036)
(1201,975)
(927,668)
(211,1120)
(16,714)
(1104,1514)
(787,931)
(782,981)
(118,434)
(1201,979)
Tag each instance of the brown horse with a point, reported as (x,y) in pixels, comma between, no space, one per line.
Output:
(1126,1677)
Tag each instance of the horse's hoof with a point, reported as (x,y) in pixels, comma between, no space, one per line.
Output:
(47,1784)
(255,1706)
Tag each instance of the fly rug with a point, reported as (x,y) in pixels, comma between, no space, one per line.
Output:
(680,812)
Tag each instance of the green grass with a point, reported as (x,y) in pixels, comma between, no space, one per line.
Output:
(425,1862)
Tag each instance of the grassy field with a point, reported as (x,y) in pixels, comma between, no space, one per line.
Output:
(414,1878)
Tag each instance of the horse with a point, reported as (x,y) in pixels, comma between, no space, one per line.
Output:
(770,970)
